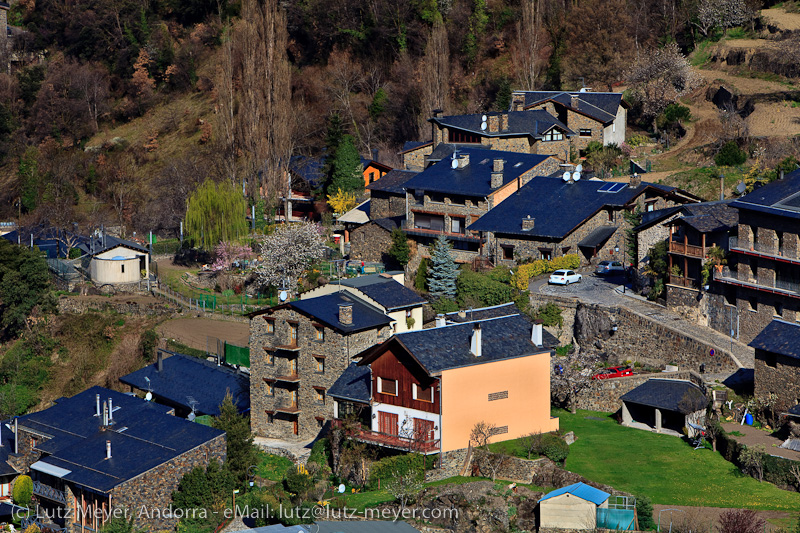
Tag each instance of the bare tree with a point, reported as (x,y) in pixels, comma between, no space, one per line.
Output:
(529,44)
(741,521)
(435,75)
(485,460)
(405,486)
(571,376)
(226,106)
(90,81)
(532,442)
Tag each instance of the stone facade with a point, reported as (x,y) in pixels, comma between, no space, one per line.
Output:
(451,464)
(649,237)
(288,392)
(370,243)
(415,159)
(384,205)
(777,375)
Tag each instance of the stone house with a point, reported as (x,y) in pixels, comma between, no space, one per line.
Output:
(550,217)
(529,132)
(593,116)
(414,154)
(297,350)
(425,390)
(665,406)
(460,188)
(777,366)
(371,241)
(102,454)
(388,196)
(762,281)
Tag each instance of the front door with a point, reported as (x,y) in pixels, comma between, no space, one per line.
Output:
(293,398)
(295,427)
(387,423)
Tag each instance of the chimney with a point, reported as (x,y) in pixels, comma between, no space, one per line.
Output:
(440,320)
(108,449)
(110,411)
(97,408)
(105,414)
(573,101)
(504,122)
(527,223)
(160,361)
(462,313)
(463,160)
(536,333)
(494,123)
(497,173)
(475,346)
(346,314)
(517,102)
(16,434)
(436,131)
(636,180)
(437,113)
(374,154)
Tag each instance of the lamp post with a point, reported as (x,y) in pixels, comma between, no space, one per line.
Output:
(236,491)
(616,251)
(251,475)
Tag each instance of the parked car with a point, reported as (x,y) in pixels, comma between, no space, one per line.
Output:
(564,277)
(613,372)
(610,267)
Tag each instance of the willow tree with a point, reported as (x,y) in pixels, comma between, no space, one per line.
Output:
(215,213)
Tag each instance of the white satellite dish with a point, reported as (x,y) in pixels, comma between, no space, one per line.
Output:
(148,397)
(454,164)
(566,176)
(483,126)
(283,295)
(579,168)
(576,175)
(484,118)
(342,488)
(191,417)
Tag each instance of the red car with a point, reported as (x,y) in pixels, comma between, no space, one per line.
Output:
(613,372)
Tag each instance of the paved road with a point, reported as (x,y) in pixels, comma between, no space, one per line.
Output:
(608,291)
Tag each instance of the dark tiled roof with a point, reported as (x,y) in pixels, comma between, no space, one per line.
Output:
(599,105)
(534,123)
(710,216)
(392,182)
(393,295)
(389,223)
(308,168)
(780,197)
(795,410)
(475,178)
(142,437)
(556,206)
(598,236)
(6,449)
(353,384)
(448,347)
(98,245)
(326,310)
(667,394)
(779,337)
(413,145)
(184,376)
(495,311)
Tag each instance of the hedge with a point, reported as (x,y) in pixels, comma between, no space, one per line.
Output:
(777,470)
(524,273)
(486,290)
(397,465)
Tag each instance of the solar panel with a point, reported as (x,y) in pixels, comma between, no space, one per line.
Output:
(618,187)
(606,187)
(792,202)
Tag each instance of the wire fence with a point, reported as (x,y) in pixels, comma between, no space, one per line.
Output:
(213,303)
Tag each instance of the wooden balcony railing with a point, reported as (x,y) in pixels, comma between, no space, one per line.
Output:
(46,491)
(394,441)
(687,249)
(683,282)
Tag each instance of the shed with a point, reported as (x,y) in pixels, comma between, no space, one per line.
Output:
(572,507)
(116,260)
(664,406)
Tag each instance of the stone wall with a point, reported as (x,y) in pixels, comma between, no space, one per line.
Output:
(384,205)
(415,159)
(451,464)
(649,237)
(604,394)
(79,306)
(779,376)
(370,242)
(568,307)
(521,144)
(576,122)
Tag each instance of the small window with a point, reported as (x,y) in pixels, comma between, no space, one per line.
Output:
(508,251)
(778,309)
(319,364)
(320,395)
(614,127)
(292,334)
(650,207)
(553,135)
(123,268)
(387,386)
(270,326)
(436,198)
(270,357)
(320,333)
(269,388)
(458,200)
(423,395)
(457,225)
(547,255)
(371,177)
(585,133)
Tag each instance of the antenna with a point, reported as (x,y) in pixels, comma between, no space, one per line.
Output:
(566,176)
(193,404)
(579,168)
(283,295)
(741,188)
(484,118)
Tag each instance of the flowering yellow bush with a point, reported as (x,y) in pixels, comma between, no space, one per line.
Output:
(524,273)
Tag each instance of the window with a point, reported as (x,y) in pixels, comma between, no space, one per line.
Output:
(371,177)
(585,133)
(456,136)
(650,207)
(778,309)
(270,357)
(123,268)
(458,200)
(435,223)
(436,197)
(319,394)
(320,364)
(270,326)
(546,253)
(502,395)
(320,333)
(508,251)
(387,386)
(269,388)
(292,334)
(457,225)
(553,135)
(423,395)
(320,421)
(614,127)
(611,215)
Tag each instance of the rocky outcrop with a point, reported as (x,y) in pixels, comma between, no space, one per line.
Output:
(591,324)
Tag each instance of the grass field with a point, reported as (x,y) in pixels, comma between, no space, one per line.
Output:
(663,467)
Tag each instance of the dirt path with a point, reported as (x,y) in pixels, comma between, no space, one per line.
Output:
(197,332)
(706,518)
(782,18)
(753,436)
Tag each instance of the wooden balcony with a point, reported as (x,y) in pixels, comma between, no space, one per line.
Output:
(690,250)
(46,491)
(289,378)
(681,281)
(395,442)
(288,348)
(287,408)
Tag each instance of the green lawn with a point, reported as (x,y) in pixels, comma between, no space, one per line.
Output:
(272,467)
(663,467)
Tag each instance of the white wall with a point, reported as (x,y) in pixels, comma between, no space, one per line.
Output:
(400,318)
(404,414)
(567,512)
(615,132)
(111,271)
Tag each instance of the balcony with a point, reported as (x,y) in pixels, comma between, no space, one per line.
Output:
(424,232)
(395,442)
(289,378)
(690,250)
(681,281)
(289,408)
(760,250)
(783,287)
(46,491)
(288,348)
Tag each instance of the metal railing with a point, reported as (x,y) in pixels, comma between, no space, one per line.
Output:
(46,491)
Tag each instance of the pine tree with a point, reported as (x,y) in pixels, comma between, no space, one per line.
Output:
(400,251)
(347,172)
(443,271)
(241,453)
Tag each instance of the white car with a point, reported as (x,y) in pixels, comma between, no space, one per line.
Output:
(564,277)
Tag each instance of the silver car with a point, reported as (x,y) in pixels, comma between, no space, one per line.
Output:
(609,267)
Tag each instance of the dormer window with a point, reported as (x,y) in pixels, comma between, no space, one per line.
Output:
(553,135)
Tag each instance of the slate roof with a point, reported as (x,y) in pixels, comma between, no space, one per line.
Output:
(601,106)
(142,437)
(392,182)
(308,168)
(710,216)
(354,384)
(184,376)
(413,145)
(6,449)
(781,197)
(597,237)
(475,178)
(666,394)
(98,245)
(557,207)
(779,337)
(534,123)
(483,313)
(448,347)
(390,223)
(582,491)
(795,411)
(386,291)
(325,309)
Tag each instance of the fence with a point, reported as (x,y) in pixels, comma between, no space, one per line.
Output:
(216,303)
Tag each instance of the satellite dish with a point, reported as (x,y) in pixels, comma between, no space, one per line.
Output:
(191,416)
(342,488)
(283,295)
(579,168)
(484,118)
(454,164)
(741,188)
(566,176)
(576,175)
(483,126)
(148,397)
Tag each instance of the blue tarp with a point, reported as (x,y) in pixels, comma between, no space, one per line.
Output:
(617,519)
